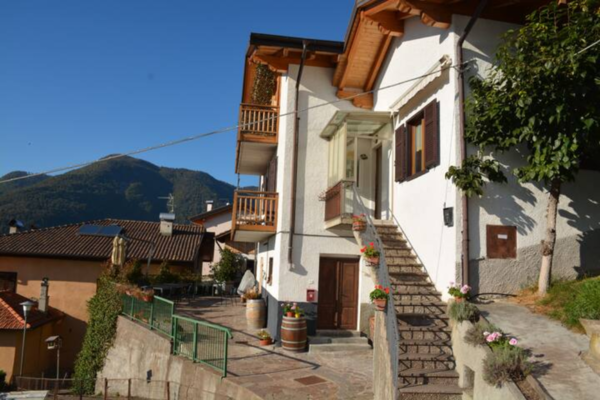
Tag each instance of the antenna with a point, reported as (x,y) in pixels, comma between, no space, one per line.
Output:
(170,202)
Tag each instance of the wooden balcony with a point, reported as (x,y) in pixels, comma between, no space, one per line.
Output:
(254,216)
(339,205)
(257,138)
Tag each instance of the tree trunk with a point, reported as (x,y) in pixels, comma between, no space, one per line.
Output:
(550,240)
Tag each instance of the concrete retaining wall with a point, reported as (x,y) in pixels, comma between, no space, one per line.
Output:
(469,365)
(141,354)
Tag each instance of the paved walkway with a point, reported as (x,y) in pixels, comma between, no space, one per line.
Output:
(273,373)
(555,350)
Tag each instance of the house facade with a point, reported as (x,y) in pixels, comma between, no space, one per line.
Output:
(371,125)
(73,260)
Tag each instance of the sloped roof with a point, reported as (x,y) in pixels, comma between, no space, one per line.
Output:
(66,242)
(11,313)
(200,218)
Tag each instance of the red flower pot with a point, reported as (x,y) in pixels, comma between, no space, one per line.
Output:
(266,342)
(372,261)
(459,299)
(359,226)
(380,304)
(290,314)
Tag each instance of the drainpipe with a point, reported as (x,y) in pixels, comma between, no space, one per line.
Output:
(305,44)
(463,144)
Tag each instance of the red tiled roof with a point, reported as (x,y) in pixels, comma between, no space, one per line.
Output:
(65,242)
(11,313)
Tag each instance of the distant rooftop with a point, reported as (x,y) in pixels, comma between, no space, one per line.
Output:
(11,313)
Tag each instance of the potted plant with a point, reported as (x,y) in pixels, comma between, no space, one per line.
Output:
(379,297)
(460,293)
(147,295)
(370,254)
(289,309)
(265,338)
(298,312)
(359,224)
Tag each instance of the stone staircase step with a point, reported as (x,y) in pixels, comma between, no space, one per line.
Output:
(338,347)
(409,276)
(425,361)
(404,268)
(434,309)
(425,346)
(412,333)
(427,377)
(416,297)
(395,245)
(331,333)
(431,392)
(399,252)
(422,320)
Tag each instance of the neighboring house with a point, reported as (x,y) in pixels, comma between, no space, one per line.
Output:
(72,260)
(218,221)
(389,150)
(42,323)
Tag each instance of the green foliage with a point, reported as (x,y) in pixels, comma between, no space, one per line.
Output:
(475,335)
(264,86)
(165,275)
(228,267)
(504,364)
(463,311)
(133,272)
(568,301)
(3,384)
(103,309)
(543,97)
(125,188)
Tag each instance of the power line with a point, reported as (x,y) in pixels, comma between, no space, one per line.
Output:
(588,47)
(220,131)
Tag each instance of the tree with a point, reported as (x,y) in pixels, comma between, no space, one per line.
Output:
(228,266)
(543,95)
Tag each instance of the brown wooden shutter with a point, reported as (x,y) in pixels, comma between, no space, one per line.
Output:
(432,135)
(272,176)
(401,153)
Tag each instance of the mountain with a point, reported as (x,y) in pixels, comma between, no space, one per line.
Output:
(125,188)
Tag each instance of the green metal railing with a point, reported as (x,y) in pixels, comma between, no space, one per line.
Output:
(199,341)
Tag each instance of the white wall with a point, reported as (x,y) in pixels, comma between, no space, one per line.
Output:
(418,203)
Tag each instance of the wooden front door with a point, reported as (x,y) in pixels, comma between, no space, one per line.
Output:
(338,294)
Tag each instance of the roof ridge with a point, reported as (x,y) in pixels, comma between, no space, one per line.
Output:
(48,228)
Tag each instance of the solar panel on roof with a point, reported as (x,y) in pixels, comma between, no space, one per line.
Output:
(99,230)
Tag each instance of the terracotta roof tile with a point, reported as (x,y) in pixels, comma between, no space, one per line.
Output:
(66,242)
(11,313)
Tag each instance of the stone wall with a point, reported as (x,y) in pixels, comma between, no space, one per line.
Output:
(141,354)
(469,365)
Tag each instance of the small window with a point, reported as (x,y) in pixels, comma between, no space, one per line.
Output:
(8,282)
(270,275)
(417,144)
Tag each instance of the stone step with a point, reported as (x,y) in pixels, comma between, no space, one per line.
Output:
(425,346)
(404,268)
(422,320)
(398,252)
(427,377)
(431,392)
(425,297)
(400,261)
(339,347)
(409,276)
(331,333)
(425,361)
(422,308)
(395,245)
(411,333)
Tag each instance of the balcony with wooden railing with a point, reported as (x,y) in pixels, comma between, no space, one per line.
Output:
(339,204)
(257,138)
(254,215)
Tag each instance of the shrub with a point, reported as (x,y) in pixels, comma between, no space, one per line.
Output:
(463,311)
(165,275)
(103,308)
(3,385)
(585,304)
(505,364)
(228,266)
(476,335)
(133,272)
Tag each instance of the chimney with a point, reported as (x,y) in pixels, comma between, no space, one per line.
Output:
(209,205)
(166,223)
(14,226)
(43,301)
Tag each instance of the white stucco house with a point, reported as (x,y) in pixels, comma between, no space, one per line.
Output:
(386,153)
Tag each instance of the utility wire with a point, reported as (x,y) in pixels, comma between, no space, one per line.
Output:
(588,47)
(222,130)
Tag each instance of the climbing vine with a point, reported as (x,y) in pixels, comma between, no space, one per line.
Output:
(103,309)
(264,86)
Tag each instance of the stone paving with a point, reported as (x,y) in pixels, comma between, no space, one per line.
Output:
(555,350)
(271,372)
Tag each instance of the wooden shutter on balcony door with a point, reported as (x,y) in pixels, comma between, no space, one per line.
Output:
(401,153)
(272,176)
(432,135)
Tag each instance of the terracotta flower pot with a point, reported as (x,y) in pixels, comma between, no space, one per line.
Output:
(380,304)
(359,226)
(148,298)
(266,342)
(372,261)
(290,314)
(459,299)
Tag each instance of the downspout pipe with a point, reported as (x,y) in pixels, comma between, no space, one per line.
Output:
(305,45)
(464,258)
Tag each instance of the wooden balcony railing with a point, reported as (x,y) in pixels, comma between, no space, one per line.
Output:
(338,200)
(254,211)
(259,120)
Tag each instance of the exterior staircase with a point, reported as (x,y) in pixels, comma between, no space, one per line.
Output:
(425,360)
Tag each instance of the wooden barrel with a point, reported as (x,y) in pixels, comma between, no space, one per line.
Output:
(256,314)
(293,334)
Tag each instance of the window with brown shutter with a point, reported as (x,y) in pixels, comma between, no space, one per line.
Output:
(417,144)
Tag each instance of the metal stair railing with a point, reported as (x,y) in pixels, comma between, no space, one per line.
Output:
(383,278)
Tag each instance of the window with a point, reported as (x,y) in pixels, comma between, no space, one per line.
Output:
(417,143)
(8,282)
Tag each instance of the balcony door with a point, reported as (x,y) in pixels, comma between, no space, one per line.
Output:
(338,294)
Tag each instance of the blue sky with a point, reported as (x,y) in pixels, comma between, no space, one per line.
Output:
(83,79)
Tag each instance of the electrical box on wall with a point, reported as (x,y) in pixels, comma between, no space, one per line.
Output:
(311,295)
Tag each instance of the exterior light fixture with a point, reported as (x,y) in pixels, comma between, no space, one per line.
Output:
(26,308)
